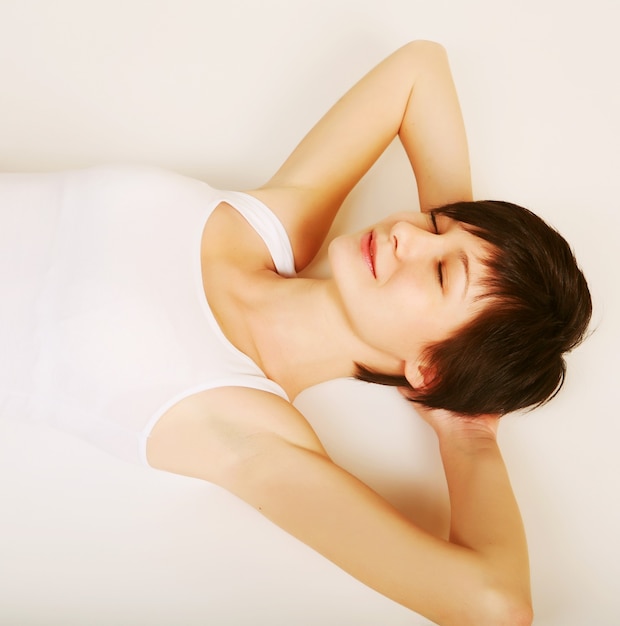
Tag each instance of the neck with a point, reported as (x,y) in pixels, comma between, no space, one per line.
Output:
(303,337)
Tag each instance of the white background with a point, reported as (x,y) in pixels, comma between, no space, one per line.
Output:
(223,91)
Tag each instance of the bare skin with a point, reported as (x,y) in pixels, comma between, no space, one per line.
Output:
(303,331)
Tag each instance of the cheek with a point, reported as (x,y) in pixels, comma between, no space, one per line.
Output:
(409,291)
(405,312)
(421,316)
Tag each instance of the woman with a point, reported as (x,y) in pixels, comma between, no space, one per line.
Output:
(181,335)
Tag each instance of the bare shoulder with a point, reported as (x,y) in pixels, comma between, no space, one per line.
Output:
(206,434)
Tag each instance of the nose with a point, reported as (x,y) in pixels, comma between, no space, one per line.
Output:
(411,241)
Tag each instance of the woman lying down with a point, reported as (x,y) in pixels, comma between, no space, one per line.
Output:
(162,320)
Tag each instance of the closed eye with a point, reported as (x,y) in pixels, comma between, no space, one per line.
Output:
(439,265)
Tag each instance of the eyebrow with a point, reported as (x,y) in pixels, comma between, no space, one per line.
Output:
(464,259)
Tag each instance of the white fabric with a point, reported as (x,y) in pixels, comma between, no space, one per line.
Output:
(104,323)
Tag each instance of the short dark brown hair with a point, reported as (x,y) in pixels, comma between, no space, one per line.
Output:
(510,356)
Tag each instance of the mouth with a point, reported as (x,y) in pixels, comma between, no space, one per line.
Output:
(368,247)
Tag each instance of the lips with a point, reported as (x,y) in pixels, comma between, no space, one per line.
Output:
(368,251)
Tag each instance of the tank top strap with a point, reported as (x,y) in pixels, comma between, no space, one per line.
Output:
(264,221)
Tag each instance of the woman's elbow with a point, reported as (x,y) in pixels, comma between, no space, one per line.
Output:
(502,609)
(522,615)
(425,47)
(485,604)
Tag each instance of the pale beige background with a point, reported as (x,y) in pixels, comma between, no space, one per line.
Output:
(223,91)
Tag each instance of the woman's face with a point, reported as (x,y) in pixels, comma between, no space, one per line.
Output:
(408,282)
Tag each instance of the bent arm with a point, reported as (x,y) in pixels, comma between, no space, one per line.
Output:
(266,453)
(411,95)
(479,577)
(483,582)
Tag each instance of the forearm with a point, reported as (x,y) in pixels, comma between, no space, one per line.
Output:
(433,133)
(484,513)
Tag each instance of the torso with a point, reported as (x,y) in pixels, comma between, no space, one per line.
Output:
(236,269)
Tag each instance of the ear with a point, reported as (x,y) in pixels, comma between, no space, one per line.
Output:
(418,374)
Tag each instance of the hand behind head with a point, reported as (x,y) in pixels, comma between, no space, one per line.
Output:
(445,422)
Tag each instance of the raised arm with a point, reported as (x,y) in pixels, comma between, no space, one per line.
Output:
(267,454)
(479,577)
(410,95)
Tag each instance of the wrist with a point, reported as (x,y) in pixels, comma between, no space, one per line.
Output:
(450,426)
(472,432)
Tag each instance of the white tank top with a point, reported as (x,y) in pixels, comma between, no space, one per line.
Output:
(124,328)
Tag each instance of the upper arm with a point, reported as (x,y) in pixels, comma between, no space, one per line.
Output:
(410,95)
(207,433)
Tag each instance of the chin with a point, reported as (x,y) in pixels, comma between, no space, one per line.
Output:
(334,252)
(343,255)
